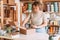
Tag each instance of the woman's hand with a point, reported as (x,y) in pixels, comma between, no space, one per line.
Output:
(34,26)
(23,25)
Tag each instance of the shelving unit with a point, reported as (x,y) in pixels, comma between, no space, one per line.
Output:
(53,29)
(46,2)
(10,12)
(7,12)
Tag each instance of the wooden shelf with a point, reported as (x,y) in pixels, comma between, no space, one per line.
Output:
(27,1)
(6,37)
(51,0)
(10,2)
(52,12)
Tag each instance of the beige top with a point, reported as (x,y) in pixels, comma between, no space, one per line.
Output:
(38,18)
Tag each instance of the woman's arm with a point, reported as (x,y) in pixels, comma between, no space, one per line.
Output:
(45,22)
(43,25)
(40,26)
(26,20)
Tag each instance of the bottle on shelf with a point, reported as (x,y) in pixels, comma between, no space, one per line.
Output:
(29,7)
(48,7)
(52,7)
(56,6)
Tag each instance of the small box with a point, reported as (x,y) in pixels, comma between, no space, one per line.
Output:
(4,1)
(27,31)
(11,2)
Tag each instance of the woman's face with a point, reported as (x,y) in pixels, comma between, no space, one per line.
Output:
(35,8)
(23,8)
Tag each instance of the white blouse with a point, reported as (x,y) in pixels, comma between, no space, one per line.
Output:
(38,18)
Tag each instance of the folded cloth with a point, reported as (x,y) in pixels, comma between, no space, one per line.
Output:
(41,30)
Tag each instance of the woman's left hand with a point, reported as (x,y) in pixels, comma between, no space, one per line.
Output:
(34,26)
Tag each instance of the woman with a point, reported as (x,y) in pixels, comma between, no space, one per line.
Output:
(39,21)
(38,18)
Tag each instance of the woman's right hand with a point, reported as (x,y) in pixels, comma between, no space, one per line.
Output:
(34,26)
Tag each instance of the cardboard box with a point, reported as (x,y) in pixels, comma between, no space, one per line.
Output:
(11,2)
(4,1)
(27,31)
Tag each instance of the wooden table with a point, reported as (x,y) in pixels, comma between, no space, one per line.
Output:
(5,38)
